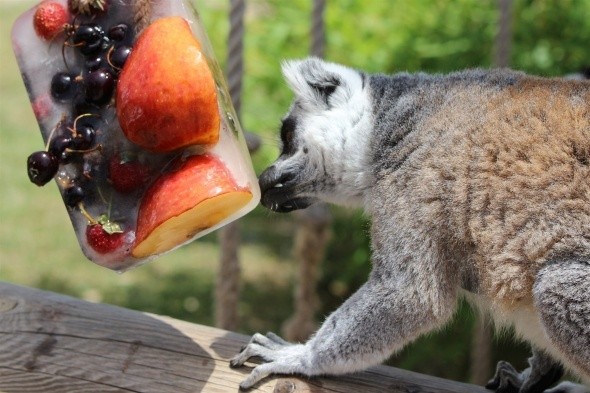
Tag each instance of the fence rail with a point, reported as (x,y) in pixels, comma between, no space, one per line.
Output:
(55,343)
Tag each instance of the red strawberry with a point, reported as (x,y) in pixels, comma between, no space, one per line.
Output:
(127,174)
(49,19)
(104,236)
(88,7)
(42,106)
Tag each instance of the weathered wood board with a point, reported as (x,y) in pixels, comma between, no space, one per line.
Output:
(54,343)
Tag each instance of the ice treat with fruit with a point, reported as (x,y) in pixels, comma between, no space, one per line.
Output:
(137,128)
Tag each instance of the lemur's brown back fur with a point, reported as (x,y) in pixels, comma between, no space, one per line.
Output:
(510,177)
(478,180)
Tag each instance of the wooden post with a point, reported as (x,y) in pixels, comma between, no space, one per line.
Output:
(51,343)
(313,234)
(481,347)
(227,288)
(504,35)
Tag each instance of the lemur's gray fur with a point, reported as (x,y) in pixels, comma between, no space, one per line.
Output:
(477,183)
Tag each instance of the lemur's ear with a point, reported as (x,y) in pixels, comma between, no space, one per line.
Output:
(320,83)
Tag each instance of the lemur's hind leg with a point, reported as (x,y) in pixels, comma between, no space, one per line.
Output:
(542,373)
(562,299)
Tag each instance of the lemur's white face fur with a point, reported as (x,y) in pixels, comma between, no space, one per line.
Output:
(323,139)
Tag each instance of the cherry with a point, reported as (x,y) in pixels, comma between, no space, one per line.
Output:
(63,86)
(118,56)
(100,85)
(74,195)
(84,137)
(94,62)
(41,167)
(89,38)
(58,146)
(118,32)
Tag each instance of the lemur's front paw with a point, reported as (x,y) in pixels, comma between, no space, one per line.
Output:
(508,380)
(281,357)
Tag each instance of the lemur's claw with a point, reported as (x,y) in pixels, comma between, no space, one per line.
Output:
(506,380)
(280,357)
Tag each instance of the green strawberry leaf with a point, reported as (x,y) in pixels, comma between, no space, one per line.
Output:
(109,226)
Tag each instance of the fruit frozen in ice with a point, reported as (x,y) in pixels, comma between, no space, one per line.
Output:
(101,240)
(49,19)
(127,173)
(192,197)
(41,167)
(88,7)
(166,94)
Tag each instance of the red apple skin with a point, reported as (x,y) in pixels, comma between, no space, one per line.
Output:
(197,194)
(166,94)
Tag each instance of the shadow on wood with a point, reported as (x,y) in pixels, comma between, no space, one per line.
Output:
(54,343)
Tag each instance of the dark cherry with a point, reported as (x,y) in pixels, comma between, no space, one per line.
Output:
(100,85)
(58,146)
(94,62)
(88,38)
(118,32)
(119,55)
(63,86)
(41,167)
(84,137)
(74,195)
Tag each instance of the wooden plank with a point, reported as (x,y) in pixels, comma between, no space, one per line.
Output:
(55,343)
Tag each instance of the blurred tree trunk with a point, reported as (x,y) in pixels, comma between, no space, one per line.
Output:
(311,239)
(481,349)
(504,35)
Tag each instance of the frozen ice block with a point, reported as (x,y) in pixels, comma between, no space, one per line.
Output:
(138,128)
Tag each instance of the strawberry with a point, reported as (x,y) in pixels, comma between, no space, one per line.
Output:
(88,7)
(42,106)
(49,19)
(104,236)
(127,174)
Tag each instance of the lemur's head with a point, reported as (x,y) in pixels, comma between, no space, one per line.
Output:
(323,138)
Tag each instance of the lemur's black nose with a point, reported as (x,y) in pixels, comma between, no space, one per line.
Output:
(279,191)
(271,178)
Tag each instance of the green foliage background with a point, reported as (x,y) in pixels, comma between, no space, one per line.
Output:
(37,246)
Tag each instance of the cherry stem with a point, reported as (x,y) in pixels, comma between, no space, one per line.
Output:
(75,129)
(95,148)
(53,132)
(109,58)
(104,200)
(109,206)
(85,213)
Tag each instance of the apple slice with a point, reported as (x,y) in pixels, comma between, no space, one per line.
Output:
(198,194)
(166,93)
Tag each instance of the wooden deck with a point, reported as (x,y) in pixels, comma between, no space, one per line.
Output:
(54,343)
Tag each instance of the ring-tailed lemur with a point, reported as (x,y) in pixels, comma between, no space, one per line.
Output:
(477,183)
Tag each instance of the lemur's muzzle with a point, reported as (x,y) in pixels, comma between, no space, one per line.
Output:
(279,191)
